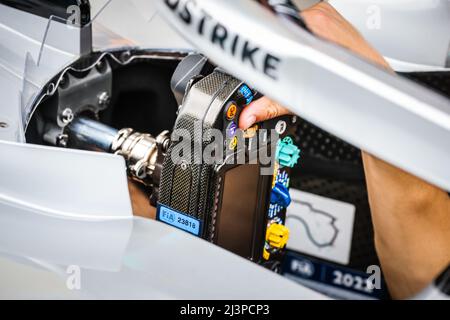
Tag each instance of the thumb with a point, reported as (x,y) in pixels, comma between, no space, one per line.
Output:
(260,110)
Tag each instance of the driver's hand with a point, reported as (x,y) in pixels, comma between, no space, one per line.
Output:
(327,23)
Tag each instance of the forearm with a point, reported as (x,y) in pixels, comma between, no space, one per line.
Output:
(412,226)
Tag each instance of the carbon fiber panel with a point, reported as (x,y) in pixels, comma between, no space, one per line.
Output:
(188,189)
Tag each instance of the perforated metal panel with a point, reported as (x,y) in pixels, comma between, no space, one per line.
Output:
(321,144)
(439,81)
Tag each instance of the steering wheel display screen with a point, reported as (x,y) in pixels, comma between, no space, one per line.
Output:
(237,216)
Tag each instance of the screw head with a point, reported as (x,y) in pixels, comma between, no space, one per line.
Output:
(67,116)
(104,99)
(125,56)
(184,165)
(101,66)
(64,82)
(62,140)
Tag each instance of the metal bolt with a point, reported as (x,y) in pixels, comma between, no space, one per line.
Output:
(64,82)
(165,145)
(141,173)
(139,170)
(104,99)
(101,66)
(67,116)
(51,88)
(125,56)
(62,140)
(183,165)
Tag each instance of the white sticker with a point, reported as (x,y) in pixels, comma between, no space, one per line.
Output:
(320,226)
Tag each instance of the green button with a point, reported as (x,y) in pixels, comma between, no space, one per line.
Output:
(287,153)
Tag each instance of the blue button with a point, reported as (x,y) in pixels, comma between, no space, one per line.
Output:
(246,93)
(280,195)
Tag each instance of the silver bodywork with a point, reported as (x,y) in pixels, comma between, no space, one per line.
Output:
(412,35)
(62,208)
(124,259)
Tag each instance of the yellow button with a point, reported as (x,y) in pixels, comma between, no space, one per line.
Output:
(277,235)
(266,254)
(233,143)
